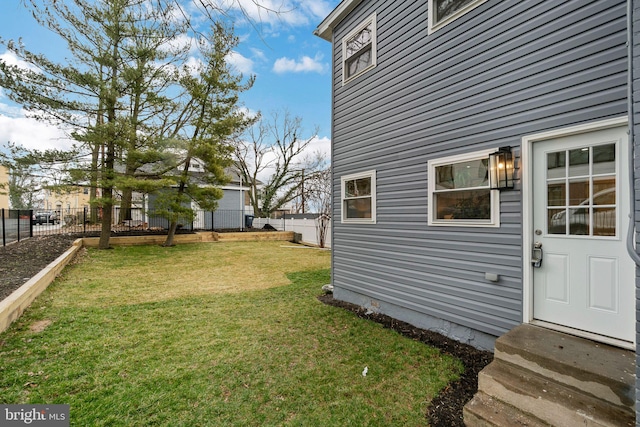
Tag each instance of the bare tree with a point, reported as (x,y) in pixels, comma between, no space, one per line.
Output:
(277,146)
(318,196)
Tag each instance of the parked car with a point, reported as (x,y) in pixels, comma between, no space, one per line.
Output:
(45,217)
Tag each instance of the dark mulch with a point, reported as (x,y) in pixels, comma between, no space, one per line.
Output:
(446,408)
(22,260)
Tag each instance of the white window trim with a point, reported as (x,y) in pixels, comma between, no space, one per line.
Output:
(371,20)
(368,174)
(495,194)
(433,26)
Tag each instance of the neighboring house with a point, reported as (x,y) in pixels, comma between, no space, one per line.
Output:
(231,212)
(424,92)
(67,201)
(4,191)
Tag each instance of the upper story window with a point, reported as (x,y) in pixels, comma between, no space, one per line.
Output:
(359,197)
(460,194)
(442,12)
(359,50)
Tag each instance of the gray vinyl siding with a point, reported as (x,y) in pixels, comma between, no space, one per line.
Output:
(231,201)
(500,72)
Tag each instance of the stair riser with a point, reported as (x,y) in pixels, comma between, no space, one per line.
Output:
(470,420)
(552,408)
(599,369)
(484,411)
(601,390)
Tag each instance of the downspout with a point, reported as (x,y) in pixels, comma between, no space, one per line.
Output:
(631,114)
(630,111)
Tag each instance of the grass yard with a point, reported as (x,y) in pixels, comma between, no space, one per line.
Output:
(213,335)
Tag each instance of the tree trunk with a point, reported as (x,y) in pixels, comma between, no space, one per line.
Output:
(125,205)
(107,198)
(172,232)
(105,232)
(181,188)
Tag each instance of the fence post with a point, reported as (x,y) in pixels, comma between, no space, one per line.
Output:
(4,237)
(30,223)
(18,231)
(84,219)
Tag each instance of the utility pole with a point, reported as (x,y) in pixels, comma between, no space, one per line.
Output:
(302,189)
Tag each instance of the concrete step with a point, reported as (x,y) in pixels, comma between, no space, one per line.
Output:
(485,411)
(603,371)
(547,400)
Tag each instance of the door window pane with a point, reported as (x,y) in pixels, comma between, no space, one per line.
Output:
(604,159)
(579,221)
(579,162)
(557,220)
(556,165)
(604,221)
(556,194)
(579,192)
(604,191)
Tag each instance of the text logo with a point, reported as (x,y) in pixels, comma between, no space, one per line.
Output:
(34,415)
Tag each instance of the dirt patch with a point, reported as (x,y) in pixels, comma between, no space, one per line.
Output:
(39,326)
(446,408)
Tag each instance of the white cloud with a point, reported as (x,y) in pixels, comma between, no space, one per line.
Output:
(193,65)
(9,110)
(31,133)
(305,64)
(321,145)
(277,12)
(317,9)
(11,59)
(181,42)
(258,54)
(240,62)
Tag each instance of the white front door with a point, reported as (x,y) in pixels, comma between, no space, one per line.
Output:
(580,218)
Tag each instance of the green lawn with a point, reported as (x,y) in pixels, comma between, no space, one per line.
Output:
(213,335)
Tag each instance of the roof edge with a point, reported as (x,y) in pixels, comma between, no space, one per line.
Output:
(325,29)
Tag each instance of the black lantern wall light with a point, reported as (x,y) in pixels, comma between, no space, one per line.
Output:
(501,169)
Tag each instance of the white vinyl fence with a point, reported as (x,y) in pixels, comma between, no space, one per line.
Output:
(306,227)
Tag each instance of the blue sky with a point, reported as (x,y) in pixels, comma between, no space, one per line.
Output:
(291,65)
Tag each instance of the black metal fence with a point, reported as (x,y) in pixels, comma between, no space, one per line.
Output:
(21,224)
(15,225)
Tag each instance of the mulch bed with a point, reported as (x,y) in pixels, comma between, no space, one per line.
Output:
(22,260)
(446,408)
